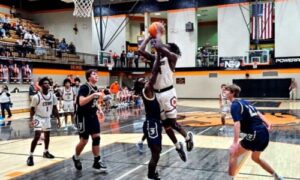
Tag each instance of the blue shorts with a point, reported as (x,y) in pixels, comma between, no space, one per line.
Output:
(152,129)
(258,141)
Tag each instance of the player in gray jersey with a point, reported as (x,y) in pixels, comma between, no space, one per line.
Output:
(42,106)
(68,100)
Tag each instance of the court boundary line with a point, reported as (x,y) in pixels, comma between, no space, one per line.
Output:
(162,154)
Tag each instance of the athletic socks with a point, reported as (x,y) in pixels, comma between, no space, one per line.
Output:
(177,145)
(76,157)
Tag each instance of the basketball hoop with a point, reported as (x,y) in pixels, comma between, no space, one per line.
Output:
(83,8)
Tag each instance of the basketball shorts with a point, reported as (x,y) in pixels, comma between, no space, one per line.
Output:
(152,129)
(257,141)
(87,124)
(68,106)
(167,103)
(42,123)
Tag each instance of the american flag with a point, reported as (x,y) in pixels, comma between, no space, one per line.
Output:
(263,14)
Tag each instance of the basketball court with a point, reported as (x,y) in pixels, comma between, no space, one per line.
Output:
(121,130)
(222,42)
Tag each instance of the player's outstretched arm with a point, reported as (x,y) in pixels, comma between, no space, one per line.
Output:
(142,50)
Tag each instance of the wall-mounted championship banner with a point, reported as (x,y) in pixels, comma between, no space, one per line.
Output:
(231,63)
(4,74)
(26,73)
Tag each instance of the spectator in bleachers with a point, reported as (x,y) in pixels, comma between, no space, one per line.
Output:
(130,57)
(49,40)
(40,49)
(114,90)
(20,48)
(72,48)
(62,47)
(4,51)
(13,11)
(28,36)
(36,39)
(28,46)
(2,31)
(115,57)
(123,58)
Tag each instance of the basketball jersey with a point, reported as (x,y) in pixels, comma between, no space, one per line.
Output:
(43,104)
(165,77)
(247,115)
(68,94)
(224,100)
(152,108)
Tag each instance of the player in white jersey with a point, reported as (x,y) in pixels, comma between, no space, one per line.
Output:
(68,98)
(167,54)
(224,106)
(42,106)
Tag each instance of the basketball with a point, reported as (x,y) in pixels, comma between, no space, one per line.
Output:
(154,27)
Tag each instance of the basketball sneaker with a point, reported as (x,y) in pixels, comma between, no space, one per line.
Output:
(48,155)
(139,147)
(277,177)
(181,152)
(190,142)
(30,161)
(99,166)
(77,163)
(155,176)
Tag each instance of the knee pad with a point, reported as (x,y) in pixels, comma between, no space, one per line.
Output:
(96,141)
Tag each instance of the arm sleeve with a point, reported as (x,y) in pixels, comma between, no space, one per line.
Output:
(236,112)
(34,101)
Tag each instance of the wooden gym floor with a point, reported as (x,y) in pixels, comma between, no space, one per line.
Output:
(122,128)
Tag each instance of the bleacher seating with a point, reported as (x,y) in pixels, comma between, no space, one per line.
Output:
(41,31)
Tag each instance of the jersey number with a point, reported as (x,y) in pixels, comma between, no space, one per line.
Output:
(251,110)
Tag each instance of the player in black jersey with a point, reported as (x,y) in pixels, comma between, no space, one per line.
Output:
(87,121)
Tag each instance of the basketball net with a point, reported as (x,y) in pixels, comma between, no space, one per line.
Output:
(83,8)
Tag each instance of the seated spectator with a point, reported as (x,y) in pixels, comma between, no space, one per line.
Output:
(49,40)
(29,36)
(72,48)
(40,49)
(36,39)
(62,47)
(4,51)
(2,31)
(20,48)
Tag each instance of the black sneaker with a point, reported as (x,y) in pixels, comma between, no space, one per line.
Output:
(48,155)
(190,142)
(155,176)
(77,163)
(181,152)
(30,161)
(99,166)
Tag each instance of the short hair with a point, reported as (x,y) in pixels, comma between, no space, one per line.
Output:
(66,81)
(174,48)
(235,89)
(88,73)
(42,80)
(77,79)
(223,85)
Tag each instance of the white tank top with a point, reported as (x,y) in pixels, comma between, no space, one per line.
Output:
(224,100)
(45,104)
(165,77)
(68,94)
